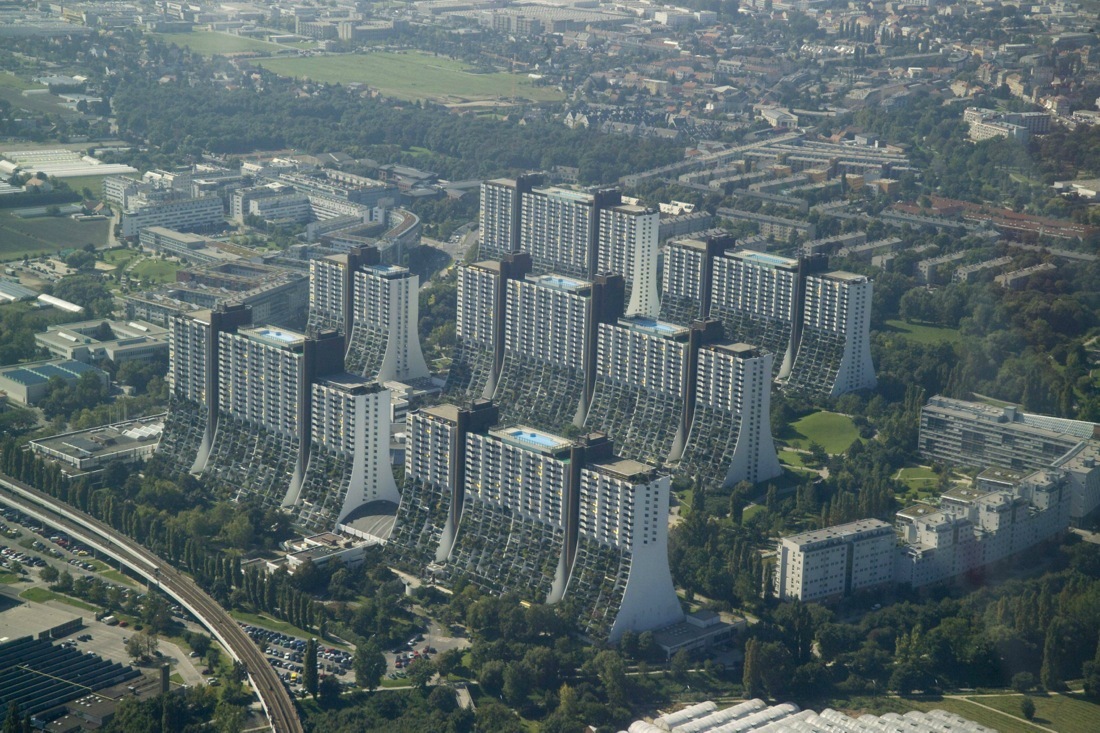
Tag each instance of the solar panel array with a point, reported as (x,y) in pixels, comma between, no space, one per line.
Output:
(37,675)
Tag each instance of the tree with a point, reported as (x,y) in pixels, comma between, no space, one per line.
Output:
(328,689)
(681,663)
(420,672)
(13,723)
(228,718)
(369,665)
(1027,707)
(1023,682)
(309,668)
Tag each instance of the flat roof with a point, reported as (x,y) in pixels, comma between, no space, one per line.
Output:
(764,259)
(917,511)
(565,193)
(443,411)
(352,383)
(623,468)
(845,276)
(387,271)
(559,282)
(741,350)
(275,336)
(839,531)
(962,493)
(653,326)
(529,438)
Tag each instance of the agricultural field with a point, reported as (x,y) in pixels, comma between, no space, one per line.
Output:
(832,431)
(33,237)
(209,43)
(923,334)
(1064,713)
(11,91)
(413,75)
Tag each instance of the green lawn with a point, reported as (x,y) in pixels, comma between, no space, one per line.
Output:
(918,477)
(79,183)
(121,256)
(8,80)
(116,577)
(413,75)
(41,595)
(8,578)
(33,237)
(832,431)
(1066,714)
(989,718)
(209,43)
(924,334)
(752,511)
(160,271)
(790,458)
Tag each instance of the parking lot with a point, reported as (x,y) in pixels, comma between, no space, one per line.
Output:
(287,653)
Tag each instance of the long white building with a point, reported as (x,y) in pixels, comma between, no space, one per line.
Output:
(189,214)
(828,564)
(686,277)
(559,227)
(499,215)
(384,343)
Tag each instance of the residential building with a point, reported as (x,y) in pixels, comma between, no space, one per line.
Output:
(499,216)
(828,564)
(480,323)
(963,433)
(687,276)
(834,342)
(384,343)
(182,214)
(551,327)
(627,244)
(559,228)
(730,438)
(640,387)
(331,284)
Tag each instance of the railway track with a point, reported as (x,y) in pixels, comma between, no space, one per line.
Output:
(274,697)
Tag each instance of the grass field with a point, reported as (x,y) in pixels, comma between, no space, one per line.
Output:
(159,271)
(832,431)
(209,43)
(11,91)
(8,578)
(752,511)
(41,595)
(411,76)
(924,334)
(95,183)
(271,624)
(1064,713)
(120,257)
(790,458)
(918,477)
(116,577)
(33,237)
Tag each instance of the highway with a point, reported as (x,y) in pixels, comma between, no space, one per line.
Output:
(274,697)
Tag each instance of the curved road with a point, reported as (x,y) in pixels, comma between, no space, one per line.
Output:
(273,695)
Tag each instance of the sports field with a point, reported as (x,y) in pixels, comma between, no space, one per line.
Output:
(412,75)
(832,431)
(23,237)
(209,43)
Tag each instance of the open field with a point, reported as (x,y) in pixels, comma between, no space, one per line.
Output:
(160,271)
(923,334)
(411,76)
(8,578)
(11,91)
(209,43)
(918,477)
(95,183)
(121,256)
(790,458)
(832,431)
(41,595)
(116,577)
(32,237)
(1064,713)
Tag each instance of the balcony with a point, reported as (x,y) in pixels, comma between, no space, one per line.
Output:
(183,431)
(710,446)
(421,517)
(537,393)
(247,461)
(596,586)
(817,365)
(643,424)
(324,489)
(366,350)
(772,334)
(471,367)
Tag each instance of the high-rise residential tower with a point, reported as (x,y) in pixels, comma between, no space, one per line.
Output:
(687,275)
(834,344)
(627,244)
(331,284)
(435,477)
(640,385)
(480,323)
(559,227)
(730,439)
(349,455)
(264,403)
(193,379)
(499,216)
(551,326)
(384,342)
(756,296)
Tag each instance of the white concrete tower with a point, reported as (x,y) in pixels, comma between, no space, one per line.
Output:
(385,344)
(731,438)
(834,351)
(627,245)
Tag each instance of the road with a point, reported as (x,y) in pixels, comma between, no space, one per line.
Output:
(273,696)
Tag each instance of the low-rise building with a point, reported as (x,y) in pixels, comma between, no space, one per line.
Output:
(83,452)
(92,341)
(29,383)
